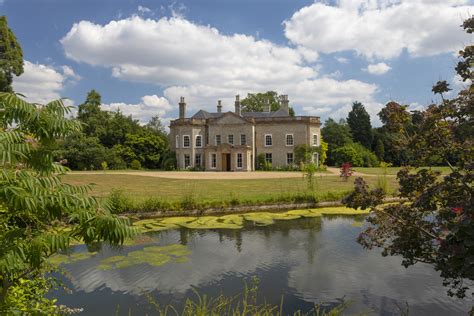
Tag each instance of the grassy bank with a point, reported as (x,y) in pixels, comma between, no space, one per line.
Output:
(133,193)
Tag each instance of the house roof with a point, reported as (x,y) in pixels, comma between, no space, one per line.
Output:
(202,114)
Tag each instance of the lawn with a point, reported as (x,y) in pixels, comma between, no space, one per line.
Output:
(172,190)
(394,170)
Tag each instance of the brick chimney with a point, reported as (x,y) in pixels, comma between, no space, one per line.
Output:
(182,108)
(219,106)
(237,104)
(284,103)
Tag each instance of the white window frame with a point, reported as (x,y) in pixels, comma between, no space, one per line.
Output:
(196,142)
(265,140)
(292,140)
(315,159)
(241,160)
(317,140)
(228,139)
(177,141)
(245,138)
(215,140)
(292,159)
(211,160)
(184,143)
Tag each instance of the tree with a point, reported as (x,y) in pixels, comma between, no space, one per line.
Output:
(35,205)
(435,223)
(156,126)
(255,102)
(11,56)
(359,123)
(336,135)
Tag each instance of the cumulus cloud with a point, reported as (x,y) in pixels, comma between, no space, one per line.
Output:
(377,69)
(150,105)
(43,83)
(381,28)
(202,64)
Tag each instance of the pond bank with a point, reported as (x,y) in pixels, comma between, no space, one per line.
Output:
(241,209)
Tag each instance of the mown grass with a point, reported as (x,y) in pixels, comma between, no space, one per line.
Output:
(393,170)
(142,193)
(142,187)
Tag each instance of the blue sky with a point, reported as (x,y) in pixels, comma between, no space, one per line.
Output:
(142,55)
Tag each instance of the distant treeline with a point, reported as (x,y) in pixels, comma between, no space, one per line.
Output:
(354,139)
(111,140)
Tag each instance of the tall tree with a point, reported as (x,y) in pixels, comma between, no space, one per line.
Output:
(255,102)
(336,135)
(434,223)
(359,122)
(11,56)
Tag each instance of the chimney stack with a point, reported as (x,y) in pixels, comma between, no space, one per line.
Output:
(284,103)
(182,108)
(219,106)
(266,106)
(237,104)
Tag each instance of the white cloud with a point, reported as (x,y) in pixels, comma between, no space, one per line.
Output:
(150,105)
(377,69)
(143,9)
(42,83)
(381,28)
(342,60)
(200,63)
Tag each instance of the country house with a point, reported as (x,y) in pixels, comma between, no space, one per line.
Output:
(232,141)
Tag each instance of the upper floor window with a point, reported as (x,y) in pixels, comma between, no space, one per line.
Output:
(218,140)
(315,139)
(239,161)
(268,140)
(289,140)
(243,139)
(186,141)
(230,139)
(198,141)
(177,141)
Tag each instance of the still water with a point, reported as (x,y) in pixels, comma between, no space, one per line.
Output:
(306,261)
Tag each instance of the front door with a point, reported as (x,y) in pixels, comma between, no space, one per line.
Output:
(226,162)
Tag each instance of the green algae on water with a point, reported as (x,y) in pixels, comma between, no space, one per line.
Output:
(59,259)
(153,255)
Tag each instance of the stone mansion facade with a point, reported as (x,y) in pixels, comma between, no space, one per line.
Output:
(232,141)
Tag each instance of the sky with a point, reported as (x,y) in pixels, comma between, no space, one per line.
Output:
(142,55)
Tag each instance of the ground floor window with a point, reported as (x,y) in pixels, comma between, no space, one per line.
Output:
(187,161)
(213,161)
(239,160)
(289,159)
(316,158)
(197,161)
(268,158)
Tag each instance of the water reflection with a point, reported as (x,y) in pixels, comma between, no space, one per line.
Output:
(306,260)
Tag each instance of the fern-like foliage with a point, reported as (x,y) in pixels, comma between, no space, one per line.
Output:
(33,199)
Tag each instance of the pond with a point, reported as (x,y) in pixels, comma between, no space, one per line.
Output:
(307,261)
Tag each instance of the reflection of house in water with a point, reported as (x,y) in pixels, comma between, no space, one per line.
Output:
(232,141)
